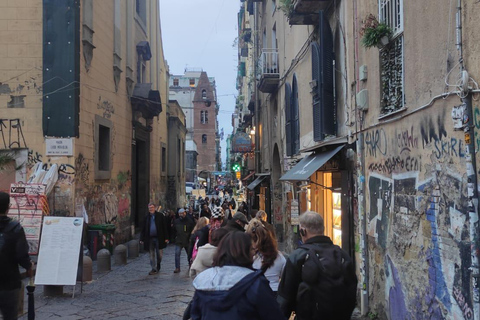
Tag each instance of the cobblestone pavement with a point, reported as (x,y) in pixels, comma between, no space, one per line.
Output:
(126,292)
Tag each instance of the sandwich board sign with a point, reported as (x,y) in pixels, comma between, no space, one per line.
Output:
(59,251)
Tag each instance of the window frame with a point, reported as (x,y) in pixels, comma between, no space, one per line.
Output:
(102,151)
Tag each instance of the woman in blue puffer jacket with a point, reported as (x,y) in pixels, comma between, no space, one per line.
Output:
(232,289)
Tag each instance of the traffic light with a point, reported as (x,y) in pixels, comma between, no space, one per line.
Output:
(236,167)
(238,174)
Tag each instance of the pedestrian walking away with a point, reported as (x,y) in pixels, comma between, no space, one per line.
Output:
(154,236)
(319,280)
(267,258)
(232,289)
(182,227)
(13,252)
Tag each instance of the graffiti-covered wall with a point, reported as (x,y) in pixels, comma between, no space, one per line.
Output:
(417,219)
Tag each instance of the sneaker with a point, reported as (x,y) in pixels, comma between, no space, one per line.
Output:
(152,272)
(176,270)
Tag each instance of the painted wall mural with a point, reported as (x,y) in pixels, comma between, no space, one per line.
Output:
(417,215)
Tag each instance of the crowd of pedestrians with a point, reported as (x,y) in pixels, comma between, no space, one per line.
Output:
(237,270)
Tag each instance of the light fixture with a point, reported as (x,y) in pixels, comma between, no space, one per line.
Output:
(252,132)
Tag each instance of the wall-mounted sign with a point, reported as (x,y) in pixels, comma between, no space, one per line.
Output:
(294,213)
(59,147)
(241,143)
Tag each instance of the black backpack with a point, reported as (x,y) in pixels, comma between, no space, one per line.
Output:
(329,284)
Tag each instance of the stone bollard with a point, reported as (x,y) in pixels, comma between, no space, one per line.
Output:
(132,246)
(120,254)
(87,269)
(103,261)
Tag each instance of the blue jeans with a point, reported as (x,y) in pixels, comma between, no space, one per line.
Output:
(178,251)
(155,252)
(9,304)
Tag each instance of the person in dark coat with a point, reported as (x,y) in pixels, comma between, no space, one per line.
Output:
(206,212)
(154,236)
(183,228)
(231,289)
(13,252)
(238,222)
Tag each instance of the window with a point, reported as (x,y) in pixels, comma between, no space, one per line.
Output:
(204,138)
(391,58)
(175,82)
(203,117)
(204,94)
(192,82)
(141,10)
(164,159)
(102,147)
(274,6)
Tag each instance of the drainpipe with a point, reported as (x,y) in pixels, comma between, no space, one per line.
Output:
(472,203)
(470,161)
(363,225)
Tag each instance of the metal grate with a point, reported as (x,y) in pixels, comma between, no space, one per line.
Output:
(391,13)
(391,59)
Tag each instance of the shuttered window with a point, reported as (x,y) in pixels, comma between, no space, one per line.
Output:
(295,117)
(324,112)
(288,119)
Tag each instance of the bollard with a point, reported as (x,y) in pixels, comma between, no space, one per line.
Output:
(120,254)
(103,261)
(132,246)
(87,269)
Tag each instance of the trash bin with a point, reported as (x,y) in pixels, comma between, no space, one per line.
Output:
(108,235)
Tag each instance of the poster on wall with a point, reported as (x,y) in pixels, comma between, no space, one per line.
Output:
(28,202)
(59,251)
(294,213)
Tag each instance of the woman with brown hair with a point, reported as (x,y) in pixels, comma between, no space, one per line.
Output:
(267,258)
(232,289)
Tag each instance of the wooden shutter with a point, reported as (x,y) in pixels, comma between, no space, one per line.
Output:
(295,118)
(317,124)
(288,119)
(327,96)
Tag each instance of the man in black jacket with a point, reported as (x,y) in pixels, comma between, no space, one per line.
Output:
(13,252)
(182,227)
(154,236)
(237,223)
(315,292)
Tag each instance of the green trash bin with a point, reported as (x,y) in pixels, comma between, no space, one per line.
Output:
(108,235)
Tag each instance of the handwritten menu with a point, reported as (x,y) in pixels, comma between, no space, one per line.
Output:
(28,202)
(59,251)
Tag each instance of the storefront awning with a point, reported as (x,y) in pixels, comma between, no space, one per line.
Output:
(308,165)
(256,182)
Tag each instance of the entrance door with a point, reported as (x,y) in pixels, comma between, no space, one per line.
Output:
(140,175)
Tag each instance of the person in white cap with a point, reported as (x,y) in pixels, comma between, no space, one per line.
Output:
(182,228)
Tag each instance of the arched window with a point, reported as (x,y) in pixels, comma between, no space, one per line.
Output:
(204,94)
(203,117)
(206,117)
(204,138)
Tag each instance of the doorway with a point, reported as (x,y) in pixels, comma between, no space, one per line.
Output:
(140,175)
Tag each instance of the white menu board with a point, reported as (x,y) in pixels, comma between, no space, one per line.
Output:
(59,251)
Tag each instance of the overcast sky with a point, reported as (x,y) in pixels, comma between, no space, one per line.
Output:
(200,34)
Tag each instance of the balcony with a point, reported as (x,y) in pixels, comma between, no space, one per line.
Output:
(269,71)
(305,12)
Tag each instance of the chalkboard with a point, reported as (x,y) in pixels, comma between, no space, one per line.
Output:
(59,251)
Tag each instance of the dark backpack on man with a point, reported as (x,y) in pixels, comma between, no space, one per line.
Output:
(329,284)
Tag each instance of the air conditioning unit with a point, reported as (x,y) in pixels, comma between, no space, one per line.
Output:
(362,100)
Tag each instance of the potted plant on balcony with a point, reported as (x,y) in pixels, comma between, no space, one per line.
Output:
(374,33)
(287,7)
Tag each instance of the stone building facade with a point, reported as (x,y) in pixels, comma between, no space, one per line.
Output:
(381,141)
(93,73)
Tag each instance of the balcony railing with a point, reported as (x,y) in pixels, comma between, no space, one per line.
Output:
(269,70)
